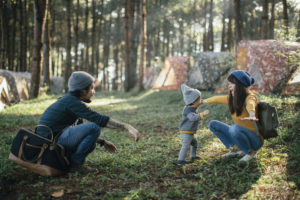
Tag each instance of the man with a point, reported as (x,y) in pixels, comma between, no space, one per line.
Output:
(79,139)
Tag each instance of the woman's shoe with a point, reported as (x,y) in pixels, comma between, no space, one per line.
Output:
(232,153)
(247,157)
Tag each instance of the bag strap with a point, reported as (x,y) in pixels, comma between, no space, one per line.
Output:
(38,157)
(50,130)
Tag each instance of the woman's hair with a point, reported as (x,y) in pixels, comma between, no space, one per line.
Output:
(237,102)
(82,92)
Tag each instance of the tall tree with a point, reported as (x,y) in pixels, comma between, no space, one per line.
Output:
(298,29)
(46,49)
(272,20)
(205,35)
(128,51)
(285,19)
(238,21)
(143,45)
(86,35)
(68,65)
(93,40)
(265,19)
(39,14)
(210,27)
(229,27)
(223,27)
(76,35)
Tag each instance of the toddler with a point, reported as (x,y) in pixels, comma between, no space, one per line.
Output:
(189,123)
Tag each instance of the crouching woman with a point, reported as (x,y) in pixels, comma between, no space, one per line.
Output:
(242,104)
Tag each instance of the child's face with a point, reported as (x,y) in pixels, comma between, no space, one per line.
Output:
(197,103)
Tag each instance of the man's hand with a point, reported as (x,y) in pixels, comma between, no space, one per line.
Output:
(110,147)
(134,133)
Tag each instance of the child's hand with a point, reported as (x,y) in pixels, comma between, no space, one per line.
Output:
(205,112)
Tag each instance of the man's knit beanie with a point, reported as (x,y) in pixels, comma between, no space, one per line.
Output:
(80,80)
(243,77)
(190,95)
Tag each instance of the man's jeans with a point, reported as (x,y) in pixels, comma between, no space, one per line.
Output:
(188,141)
(80,140)
(245,139)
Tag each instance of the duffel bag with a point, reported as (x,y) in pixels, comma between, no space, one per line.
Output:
(39,154)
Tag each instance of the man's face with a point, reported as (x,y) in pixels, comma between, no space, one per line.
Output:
(90,93)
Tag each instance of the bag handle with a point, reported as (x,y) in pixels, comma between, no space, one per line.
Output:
(22,155)
(50,130)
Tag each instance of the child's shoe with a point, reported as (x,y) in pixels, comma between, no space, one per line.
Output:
(232,153)
(195,158)
(181,163)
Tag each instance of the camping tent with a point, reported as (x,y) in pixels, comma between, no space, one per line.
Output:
(208,68)
(3,93)
(173,74)
(267,61)
(293,85)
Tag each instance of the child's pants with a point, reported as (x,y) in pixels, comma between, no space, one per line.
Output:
(188,141)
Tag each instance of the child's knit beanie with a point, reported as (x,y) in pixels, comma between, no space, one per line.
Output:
(243,77)
(190,95)
(80,80)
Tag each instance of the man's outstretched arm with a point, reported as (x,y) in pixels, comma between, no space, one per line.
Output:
(112,123)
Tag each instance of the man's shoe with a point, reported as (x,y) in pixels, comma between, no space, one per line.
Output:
(232,153)
(195,158)
(81,169)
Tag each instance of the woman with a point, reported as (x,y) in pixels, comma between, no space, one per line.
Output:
(242,104)
(79,139)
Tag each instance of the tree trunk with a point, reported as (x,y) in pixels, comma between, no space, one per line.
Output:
(229,28)
(298,29)
(223,48)
(11,49)
(285,19)
(128,67)
(76,36)
(204,25)
(68,64)
(238,21)
(39,14)
(143,44)
(46,51)
(210,28)
(94,22)
(52,33)
(272,20)
(2,35)
(106,49)
(86,36)
(264,19)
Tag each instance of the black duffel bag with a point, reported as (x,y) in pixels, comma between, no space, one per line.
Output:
(39,154)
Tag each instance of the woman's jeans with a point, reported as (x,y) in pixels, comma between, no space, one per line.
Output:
(80,140)
(245,139)
(188,141)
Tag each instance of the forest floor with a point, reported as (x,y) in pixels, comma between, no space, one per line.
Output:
(145,170)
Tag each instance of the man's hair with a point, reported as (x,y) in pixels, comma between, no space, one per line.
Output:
(82,92)
(237,102)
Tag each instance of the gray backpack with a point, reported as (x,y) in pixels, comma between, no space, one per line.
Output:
(267,120)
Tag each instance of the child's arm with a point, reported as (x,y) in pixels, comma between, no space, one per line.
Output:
(204,113)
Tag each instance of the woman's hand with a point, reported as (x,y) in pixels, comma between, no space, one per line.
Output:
(203,101)
(251,117)
(134,133)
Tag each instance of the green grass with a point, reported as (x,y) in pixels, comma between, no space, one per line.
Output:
(144,170)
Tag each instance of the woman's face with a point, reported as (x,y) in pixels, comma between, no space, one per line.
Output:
(231,87)
(90,93)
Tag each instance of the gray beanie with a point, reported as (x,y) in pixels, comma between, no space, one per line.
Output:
(189,94)
(80,80)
